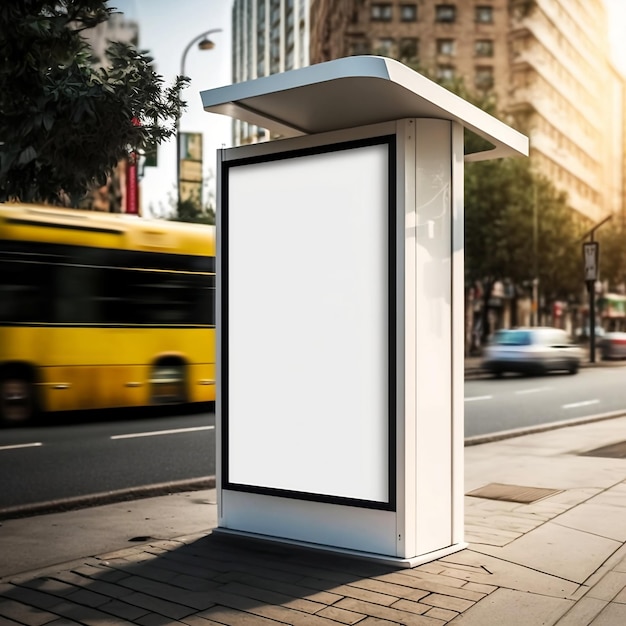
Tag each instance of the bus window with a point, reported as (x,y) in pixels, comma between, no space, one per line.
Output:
(24,291)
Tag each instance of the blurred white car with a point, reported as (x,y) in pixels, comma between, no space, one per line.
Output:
(531,351)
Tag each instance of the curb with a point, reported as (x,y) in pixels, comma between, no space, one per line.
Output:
(106,497)
(540,428)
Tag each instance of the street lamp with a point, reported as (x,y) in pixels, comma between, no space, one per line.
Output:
(535,305)
(203,44)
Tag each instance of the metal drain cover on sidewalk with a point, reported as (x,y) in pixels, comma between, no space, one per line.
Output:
(612,451)
(512,493)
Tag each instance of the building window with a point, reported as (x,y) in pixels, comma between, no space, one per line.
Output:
(384,46)
(445,47)
(445,72)
(408,13)
(483,48)
(408,49)
(484,14)
(381,13)
(484,77)
(445,13)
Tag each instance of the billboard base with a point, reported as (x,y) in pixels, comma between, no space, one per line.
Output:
(392,561)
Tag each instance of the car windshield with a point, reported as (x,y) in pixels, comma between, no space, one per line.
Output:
(512,338)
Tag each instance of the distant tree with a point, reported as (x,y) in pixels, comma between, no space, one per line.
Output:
(611,237)
(65,123)
(517,224)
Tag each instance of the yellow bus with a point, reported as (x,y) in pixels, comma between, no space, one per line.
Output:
(101,310)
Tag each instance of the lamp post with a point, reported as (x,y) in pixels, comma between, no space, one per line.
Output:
(535,304)
(203,44)
(591,276)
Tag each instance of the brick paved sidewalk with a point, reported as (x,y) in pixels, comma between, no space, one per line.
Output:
(214,579)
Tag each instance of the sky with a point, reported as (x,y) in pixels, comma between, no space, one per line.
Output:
(617,31)
(165,29)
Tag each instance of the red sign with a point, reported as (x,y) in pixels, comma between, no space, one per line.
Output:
(132,185)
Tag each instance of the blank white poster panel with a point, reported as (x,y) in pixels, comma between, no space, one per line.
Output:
(307,311)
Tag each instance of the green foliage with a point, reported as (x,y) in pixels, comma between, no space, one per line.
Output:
(192,211)
(612,258)
(64,122)
(518,226)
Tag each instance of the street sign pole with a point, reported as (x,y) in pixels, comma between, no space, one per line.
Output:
(591,250)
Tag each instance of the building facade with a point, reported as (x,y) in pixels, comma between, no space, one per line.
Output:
(569,98)
(546,61)
(269,36)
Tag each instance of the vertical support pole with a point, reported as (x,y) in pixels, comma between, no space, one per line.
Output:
(132,184)
(591,285)
(407,345)
(434,400)
(535,304)
(458,314)
(592,321)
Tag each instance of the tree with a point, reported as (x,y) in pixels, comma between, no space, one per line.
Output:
(612,257)
(65,123)
(518,227)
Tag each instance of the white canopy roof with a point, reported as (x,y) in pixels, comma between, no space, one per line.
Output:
(356,91)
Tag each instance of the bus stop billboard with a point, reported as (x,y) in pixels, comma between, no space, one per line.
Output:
(340,310)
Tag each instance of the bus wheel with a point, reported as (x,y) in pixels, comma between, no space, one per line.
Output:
(169,383)
(17,401)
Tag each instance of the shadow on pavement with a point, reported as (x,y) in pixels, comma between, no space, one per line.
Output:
(230,580)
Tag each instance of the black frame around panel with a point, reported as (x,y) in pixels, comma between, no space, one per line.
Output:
(390,141)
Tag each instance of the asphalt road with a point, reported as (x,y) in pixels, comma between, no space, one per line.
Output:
(49,463)
(495,405)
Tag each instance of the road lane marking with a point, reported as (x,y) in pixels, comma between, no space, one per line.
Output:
(22,445)
(575,405)
(155,433)
(474,398)
(533,390)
